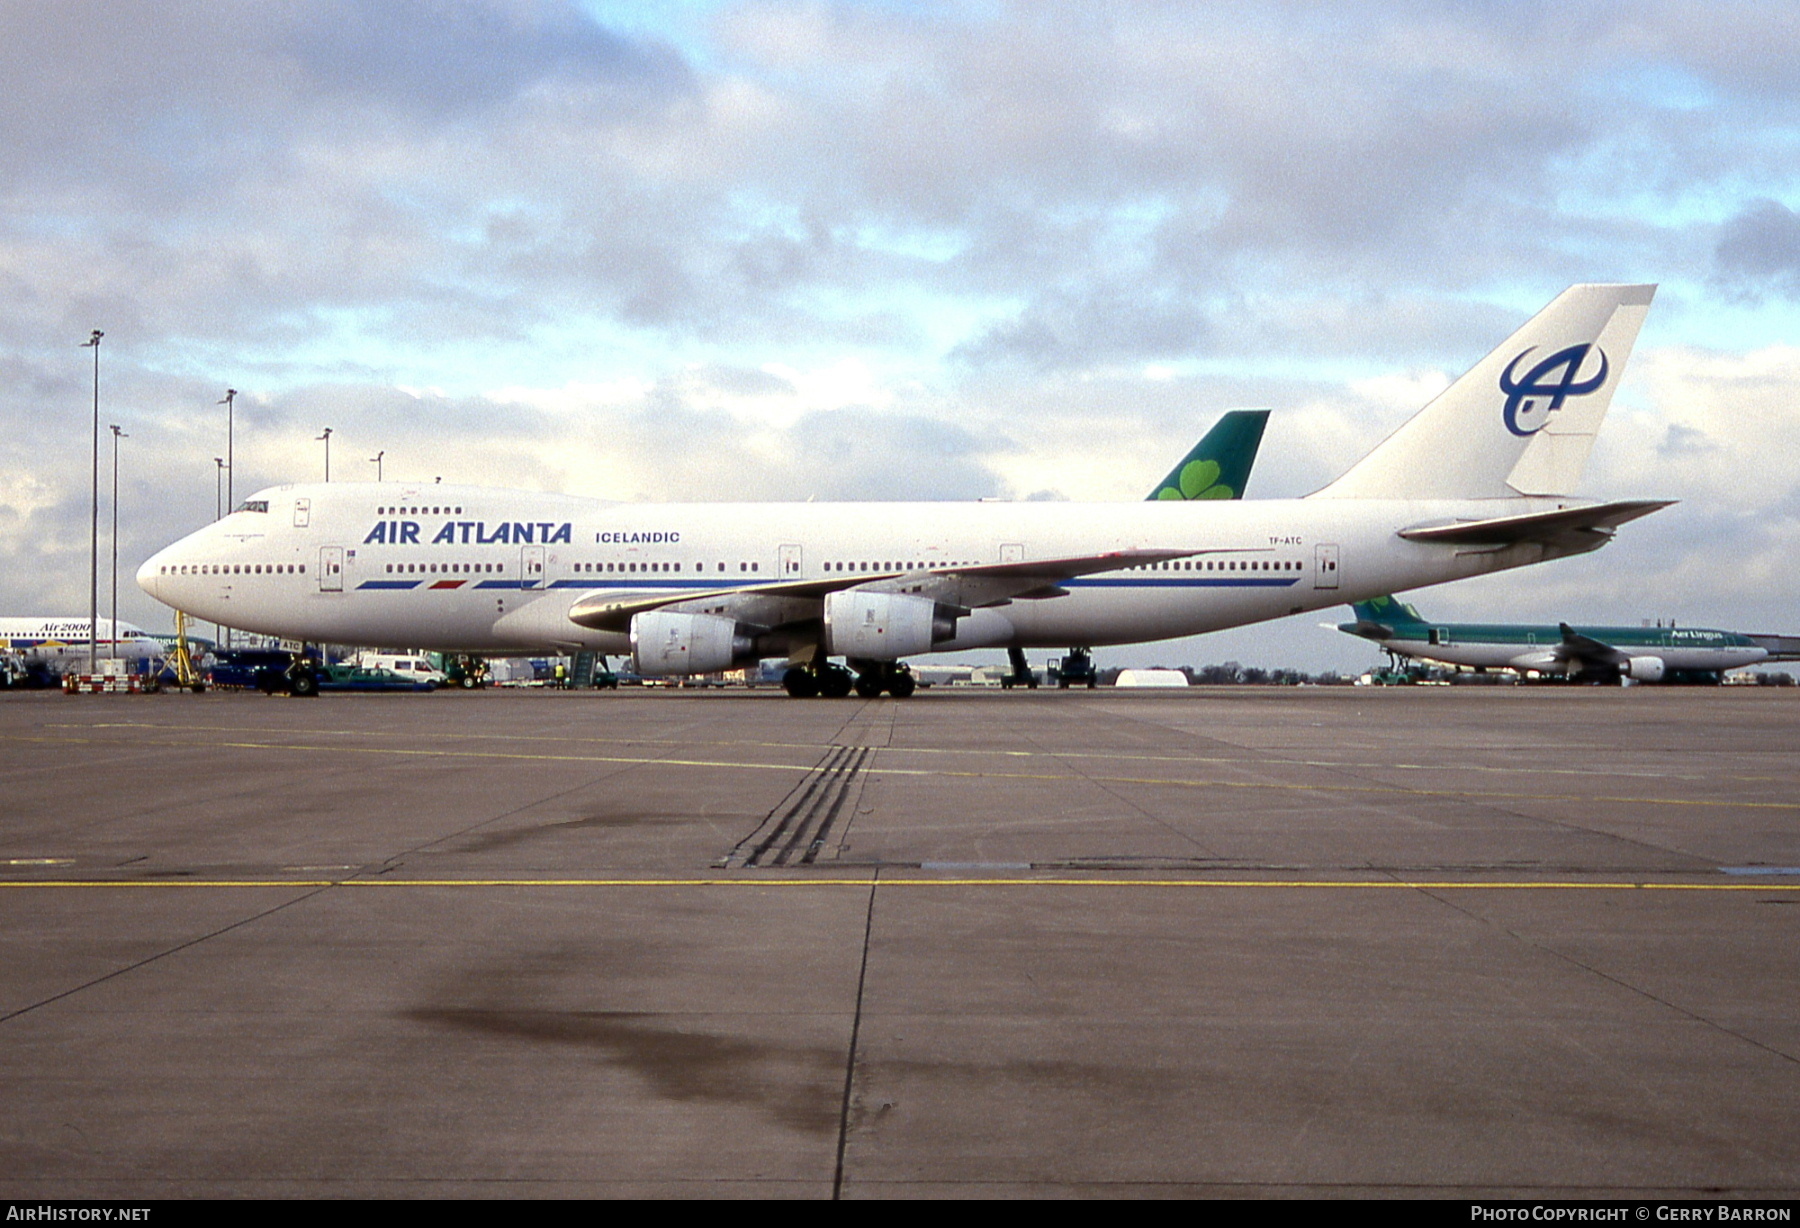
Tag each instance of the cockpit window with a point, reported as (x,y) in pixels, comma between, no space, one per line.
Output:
(254,505)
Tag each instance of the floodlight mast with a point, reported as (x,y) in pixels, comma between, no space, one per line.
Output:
(94,518)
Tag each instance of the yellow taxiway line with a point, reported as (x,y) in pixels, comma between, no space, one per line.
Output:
(757,883)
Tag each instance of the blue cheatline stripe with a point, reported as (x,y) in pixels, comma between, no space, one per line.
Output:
(621,584)
(618,582)
(1172,582)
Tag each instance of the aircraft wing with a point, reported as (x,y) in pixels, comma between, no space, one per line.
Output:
(1572,526)
(774,604)
(1587,650)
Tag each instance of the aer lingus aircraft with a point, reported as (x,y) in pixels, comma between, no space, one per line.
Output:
(1597,654)
(1480,480)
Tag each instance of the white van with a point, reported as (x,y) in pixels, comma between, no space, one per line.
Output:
(407,665)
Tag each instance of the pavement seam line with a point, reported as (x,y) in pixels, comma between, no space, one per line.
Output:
(1608,977)
(174,950)
(862,980)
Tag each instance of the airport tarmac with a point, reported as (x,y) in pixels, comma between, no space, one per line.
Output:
(1234,942)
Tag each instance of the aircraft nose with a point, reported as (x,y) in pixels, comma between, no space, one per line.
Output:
(150,575)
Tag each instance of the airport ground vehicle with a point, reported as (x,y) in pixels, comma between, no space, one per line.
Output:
(461,669)
(358,677)
(263,669)
(1075,669)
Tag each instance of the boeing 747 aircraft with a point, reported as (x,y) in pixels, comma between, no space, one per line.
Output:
(1482,479)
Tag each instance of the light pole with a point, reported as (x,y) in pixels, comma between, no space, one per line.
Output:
(94,518)
(117,435)
(218,513)
(327,438)
(377,459)
(230,443)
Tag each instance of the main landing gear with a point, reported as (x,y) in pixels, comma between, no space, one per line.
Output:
(1021,671)
(869,680)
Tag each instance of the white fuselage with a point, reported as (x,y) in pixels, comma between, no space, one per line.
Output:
(496,571)
(60,645)
(1699,651)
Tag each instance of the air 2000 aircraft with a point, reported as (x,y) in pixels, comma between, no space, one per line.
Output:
(47,648)
(1480,480)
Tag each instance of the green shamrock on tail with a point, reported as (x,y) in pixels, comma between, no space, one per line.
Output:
(1199,480)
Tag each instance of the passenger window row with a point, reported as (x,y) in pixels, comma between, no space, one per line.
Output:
(418,511)
(447,568)
(1225,565)
(630,568)
(233,569)
(914,566)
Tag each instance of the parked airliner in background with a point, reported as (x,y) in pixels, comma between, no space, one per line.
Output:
(52,647)
(1480,480)
(1599,654)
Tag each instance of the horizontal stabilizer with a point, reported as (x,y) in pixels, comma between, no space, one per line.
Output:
(1779,647)
(1571,526)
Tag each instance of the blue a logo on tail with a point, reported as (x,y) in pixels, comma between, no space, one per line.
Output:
(1531,401)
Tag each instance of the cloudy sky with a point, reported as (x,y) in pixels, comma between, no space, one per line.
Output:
(747,251)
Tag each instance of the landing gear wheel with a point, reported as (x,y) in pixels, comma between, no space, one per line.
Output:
(901,685)
(800,683)
(835,682)
(868,685)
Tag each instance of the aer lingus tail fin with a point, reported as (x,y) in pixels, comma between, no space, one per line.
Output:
(1219,465)
(1390,611)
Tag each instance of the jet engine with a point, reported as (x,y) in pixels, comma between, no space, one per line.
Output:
(1644,669)
(883,626)
(664,643)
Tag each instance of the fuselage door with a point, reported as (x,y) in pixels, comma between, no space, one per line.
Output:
(1325,566)
(1012,552)
(531,567)
(302,513)
(331,569)
(791,563)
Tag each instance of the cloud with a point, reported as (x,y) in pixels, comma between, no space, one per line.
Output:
(1759,250)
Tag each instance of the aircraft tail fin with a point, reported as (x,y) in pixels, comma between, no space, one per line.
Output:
(1523,419)
(1388,610)
(1219,465)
